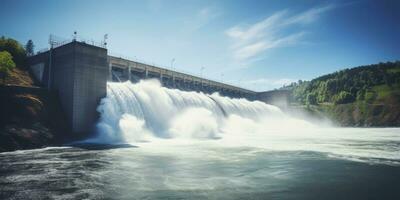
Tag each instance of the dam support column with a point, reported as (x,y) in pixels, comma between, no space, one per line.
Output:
(110,72)
(90,85)
(129,72)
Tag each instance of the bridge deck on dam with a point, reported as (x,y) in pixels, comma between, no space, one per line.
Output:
(122,70)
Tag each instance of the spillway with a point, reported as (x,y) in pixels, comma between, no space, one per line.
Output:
(136,112)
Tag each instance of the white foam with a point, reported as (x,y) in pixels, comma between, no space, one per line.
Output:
(146,111)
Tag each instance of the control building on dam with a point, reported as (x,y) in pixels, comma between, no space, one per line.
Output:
(79,72)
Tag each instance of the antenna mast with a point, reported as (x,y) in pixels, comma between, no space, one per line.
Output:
(105,40)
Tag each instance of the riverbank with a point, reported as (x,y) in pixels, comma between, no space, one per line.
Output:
(359,114)
(364,96)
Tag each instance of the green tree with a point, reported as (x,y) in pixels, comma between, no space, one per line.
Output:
(361,95)
(30,48)
(311,99)
(6,64)
(15,49)
(343,97)
(348,85)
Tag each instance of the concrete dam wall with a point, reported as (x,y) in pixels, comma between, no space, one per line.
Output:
(79,73)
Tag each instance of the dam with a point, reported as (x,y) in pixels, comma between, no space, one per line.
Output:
(80,70)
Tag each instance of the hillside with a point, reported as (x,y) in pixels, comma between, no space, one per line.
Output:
(30,117)
(360,96)
(19,77)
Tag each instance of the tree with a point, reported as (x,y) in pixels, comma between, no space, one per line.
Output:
(348,85)
(361,95)
(311,99)
(15,49)
(6,64)
(30,48)
(343,97)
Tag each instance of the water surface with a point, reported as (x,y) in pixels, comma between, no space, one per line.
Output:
(358,164)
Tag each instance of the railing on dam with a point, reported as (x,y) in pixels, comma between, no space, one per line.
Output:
(134,70)
(138,60)
(58,41)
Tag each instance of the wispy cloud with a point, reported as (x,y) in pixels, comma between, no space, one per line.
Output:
(263,84)
(251,41)
(309,16)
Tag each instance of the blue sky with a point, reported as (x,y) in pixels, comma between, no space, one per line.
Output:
(259,45)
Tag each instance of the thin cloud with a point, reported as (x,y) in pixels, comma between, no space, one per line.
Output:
(309,16)
(267,84)
(251,41)
(248,51)
(257,30)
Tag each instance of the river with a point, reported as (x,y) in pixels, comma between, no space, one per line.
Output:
(158,143)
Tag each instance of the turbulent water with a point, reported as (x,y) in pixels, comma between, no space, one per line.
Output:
(188,145)
(145,111)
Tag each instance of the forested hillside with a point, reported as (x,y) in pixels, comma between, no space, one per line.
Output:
(361,96)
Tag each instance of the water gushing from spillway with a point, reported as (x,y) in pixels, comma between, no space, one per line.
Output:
(162,120)
(139,112)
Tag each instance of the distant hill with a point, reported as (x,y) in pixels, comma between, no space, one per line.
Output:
(360,96)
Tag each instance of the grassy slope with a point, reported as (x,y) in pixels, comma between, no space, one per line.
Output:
(18,77)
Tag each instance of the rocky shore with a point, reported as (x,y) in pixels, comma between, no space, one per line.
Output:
(30,117)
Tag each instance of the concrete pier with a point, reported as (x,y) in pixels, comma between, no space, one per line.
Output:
(79,73)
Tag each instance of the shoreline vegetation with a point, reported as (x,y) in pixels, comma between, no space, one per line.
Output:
(32,116)
(364,96)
